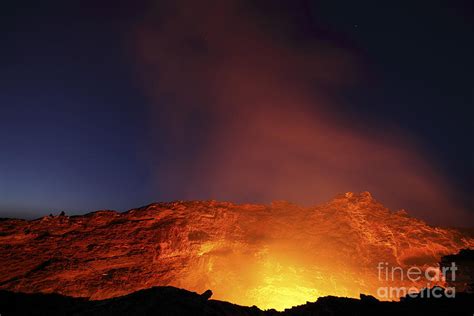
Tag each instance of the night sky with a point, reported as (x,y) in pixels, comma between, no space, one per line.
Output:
(98,112)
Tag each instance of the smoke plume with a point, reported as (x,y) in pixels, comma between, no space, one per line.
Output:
(250,116)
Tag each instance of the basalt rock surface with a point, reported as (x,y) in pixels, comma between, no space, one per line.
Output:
(276,255)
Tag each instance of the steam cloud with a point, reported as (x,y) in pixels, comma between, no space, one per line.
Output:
(250,117)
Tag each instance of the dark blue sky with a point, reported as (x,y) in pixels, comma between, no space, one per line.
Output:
(72,119)
(75,128)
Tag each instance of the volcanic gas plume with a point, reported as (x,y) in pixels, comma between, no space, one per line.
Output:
(251,115)
(272,256)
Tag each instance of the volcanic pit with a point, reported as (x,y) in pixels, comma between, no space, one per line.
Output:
(272,256)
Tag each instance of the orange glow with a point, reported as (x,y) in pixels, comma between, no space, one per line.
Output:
(286,255)
(268,279)
(272,256)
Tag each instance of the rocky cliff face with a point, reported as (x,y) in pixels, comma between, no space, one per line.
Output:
(276,255)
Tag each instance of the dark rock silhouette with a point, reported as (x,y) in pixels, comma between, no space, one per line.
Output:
(368,298)
(207,294)
(463,279)
(154,301)
(173,301)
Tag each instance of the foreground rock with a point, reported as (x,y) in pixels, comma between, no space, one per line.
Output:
(172,301)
